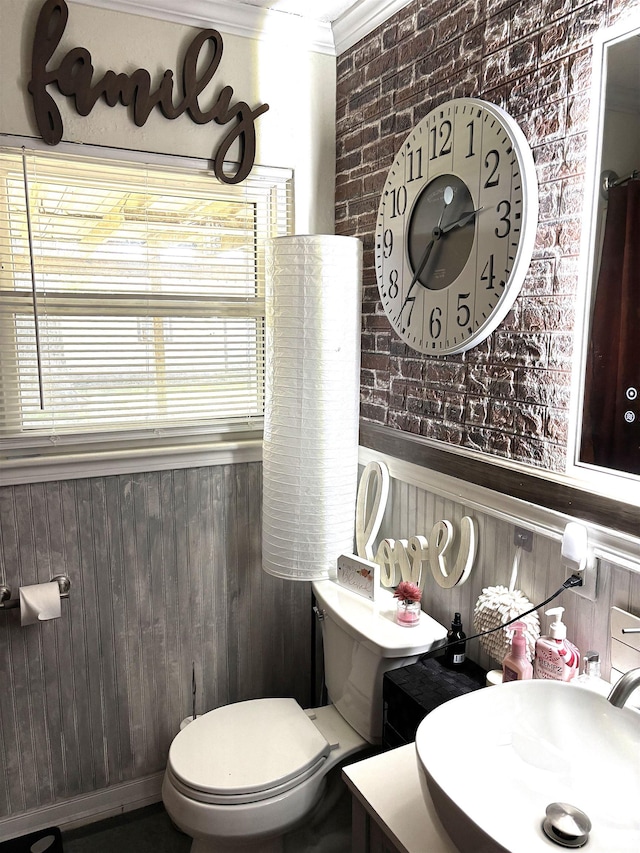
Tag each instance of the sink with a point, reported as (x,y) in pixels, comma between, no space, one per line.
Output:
(492,761)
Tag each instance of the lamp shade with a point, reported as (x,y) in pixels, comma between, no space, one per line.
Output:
(312,390)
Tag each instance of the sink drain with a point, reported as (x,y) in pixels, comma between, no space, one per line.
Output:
(566,825)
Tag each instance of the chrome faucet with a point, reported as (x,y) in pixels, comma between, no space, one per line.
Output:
(624,687)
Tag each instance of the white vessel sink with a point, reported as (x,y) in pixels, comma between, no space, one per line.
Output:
(495,759)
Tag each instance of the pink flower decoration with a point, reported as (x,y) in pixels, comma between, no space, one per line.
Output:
(407,591)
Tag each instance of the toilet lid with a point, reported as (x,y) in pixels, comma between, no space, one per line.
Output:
(246,748)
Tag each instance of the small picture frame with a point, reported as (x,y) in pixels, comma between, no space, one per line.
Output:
(359,575)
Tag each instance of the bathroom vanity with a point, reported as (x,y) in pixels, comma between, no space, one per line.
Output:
(390,811)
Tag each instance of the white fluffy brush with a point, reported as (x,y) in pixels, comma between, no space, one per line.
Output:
(498,605)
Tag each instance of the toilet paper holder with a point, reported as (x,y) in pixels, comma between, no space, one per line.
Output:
(7,603)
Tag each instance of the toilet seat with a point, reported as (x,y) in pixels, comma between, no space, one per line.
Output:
(246,752)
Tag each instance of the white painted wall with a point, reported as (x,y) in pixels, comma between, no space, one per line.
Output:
(621,142)
(297,132)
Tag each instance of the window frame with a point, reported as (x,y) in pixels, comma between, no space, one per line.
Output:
(106,453)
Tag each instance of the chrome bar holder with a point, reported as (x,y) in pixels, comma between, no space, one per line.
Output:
(320,613)
(8,603)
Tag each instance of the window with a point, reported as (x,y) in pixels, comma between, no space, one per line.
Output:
(131,300)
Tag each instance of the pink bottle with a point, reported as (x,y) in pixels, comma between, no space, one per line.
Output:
(515,664)
(556,658)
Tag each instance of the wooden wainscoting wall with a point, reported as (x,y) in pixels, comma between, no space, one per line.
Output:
(412,510)
(165,570)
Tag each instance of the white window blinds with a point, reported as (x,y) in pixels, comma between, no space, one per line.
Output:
(131,298)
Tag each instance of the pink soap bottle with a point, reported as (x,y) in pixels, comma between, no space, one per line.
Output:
(515,664)
(556,658)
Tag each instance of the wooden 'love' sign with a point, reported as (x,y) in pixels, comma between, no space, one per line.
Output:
(407,559)
(410,559)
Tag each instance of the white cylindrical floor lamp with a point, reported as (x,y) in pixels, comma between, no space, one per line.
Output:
(312,391)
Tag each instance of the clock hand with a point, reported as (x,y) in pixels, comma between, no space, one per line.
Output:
(462,221)
(438,231)
(423,262)
(447,197)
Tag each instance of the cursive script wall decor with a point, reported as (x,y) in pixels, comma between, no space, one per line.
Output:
(409,559)
(373,491)
(74,79)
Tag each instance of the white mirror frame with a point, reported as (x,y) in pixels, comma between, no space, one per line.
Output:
(614,484)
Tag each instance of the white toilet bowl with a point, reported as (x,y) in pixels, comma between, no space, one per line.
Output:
(244,774)
(249,772)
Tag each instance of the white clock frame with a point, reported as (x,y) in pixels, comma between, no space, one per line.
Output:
(480,145)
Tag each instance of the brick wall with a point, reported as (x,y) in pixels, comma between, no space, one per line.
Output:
(510,395)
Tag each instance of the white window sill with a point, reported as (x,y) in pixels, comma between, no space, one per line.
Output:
(73,466)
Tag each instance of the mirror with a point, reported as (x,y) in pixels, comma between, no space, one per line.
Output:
(609,416)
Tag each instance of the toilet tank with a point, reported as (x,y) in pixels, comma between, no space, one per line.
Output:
(361,642)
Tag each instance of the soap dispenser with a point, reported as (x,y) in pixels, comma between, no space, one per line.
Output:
(556,658)
(591,678)
(515,664)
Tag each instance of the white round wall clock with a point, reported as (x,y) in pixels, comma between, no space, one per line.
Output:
(456,226)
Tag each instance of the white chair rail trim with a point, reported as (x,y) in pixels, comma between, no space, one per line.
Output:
(607,544)
(104,463)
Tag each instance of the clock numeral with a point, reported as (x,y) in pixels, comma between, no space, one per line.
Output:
(471,126)
(387,243)
(492,158)
(506,206)
(464,312)
(393,284)
(443,133)
(415,159)
(412,300)
(435,326)
(398,201)
(488,274)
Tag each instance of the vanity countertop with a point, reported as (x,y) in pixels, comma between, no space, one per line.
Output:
(388,787)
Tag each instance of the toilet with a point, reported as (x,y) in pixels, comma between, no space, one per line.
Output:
(241,776)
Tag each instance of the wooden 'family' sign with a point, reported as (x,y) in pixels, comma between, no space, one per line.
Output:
(74,78)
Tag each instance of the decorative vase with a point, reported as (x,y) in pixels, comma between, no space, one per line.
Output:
(408,613)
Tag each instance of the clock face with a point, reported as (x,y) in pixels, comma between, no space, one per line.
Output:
(456,226)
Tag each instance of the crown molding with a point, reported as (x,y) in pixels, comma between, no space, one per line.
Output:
(361,19)
(240,19)
(243,19)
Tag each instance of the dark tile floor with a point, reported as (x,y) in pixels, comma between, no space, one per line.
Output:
(149,830)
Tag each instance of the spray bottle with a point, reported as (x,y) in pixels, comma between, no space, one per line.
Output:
(455,650)
(515,664)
